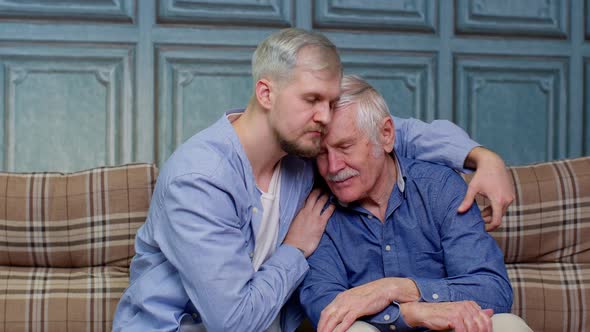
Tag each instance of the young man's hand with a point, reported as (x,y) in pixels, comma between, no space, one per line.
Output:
(308,226)
(491,179)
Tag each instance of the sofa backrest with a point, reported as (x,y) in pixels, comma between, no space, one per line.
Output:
(81,219)
(549,221)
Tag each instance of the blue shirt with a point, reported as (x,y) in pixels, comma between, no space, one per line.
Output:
(193,254)
(450,256)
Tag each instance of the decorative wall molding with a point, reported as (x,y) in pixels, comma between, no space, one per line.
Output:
(109,71)
(122,11)
(512,92)
(199,68)
(414,15)
(547,18)
(275,13)
(414,95)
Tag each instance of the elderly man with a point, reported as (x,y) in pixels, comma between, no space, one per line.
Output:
(229,226)
(396,253)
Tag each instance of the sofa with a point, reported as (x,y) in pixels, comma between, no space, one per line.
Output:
(66,241)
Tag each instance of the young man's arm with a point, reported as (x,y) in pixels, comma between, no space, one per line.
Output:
(493,181)
(201,233)
(445,143)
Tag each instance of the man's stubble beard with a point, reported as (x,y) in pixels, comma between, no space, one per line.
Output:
(292,147)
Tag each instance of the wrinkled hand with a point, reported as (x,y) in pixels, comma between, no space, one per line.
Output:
(308,226)
(464,316)
(367,299)
(492,180)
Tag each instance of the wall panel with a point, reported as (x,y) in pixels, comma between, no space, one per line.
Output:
(547,18)
(513,105)
(278,13)
(513,73)
(60,103)
(196,85)
(96,10)
(406,81)
(419,15)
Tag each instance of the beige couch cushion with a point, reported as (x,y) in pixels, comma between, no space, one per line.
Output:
(80,219)
(66,241)
(545,237)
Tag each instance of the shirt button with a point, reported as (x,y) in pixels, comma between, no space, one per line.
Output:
(387,247)
(251,254)
(386,317)
(435,296)
(195,315)
(254,210)
(392,327)
(369,216)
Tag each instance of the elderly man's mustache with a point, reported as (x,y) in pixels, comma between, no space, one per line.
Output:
(343,175)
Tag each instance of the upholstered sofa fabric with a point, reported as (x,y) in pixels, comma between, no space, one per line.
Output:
(66,241)
(545,238)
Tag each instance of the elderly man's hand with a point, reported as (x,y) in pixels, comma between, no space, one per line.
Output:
(491,179)
(367,299)
(464,316)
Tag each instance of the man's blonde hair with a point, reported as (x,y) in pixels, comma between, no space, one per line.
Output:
(276,56)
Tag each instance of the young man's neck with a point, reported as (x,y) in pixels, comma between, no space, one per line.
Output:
(260,144)
(377,200)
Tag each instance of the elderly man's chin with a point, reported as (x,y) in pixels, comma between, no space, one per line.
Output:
(345,193)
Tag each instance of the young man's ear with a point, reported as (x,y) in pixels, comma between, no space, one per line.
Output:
(387,134)
(263,91)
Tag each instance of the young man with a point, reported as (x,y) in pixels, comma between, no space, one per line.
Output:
(396,252)
(229,226)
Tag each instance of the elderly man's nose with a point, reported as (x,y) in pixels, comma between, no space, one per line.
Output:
(335,164)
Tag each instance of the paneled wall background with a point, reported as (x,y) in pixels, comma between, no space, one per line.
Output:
(105,82)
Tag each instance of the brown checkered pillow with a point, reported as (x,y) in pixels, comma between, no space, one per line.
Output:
(550,217)
(66,241)
(80,219)
(545,237)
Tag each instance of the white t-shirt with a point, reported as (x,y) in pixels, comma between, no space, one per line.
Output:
(266,239)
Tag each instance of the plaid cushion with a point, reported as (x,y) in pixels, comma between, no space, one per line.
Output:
(552,296)
(550,217)
(58,299)
(544,237)
(66,241)
(81,219)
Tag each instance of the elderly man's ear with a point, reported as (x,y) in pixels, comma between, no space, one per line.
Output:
(387,134)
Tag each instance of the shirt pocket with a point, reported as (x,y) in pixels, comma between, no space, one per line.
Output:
(430,264)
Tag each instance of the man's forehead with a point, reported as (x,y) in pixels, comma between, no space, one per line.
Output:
(343,124)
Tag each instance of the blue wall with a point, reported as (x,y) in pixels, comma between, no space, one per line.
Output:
(110,82)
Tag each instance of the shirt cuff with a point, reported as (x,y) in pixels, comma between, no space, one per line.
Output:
(291,259)
(390,319)
(433,290)
(461,155)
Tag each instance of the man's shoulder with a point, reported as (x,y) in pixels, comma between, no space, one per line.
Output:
(209,153)
(423,170)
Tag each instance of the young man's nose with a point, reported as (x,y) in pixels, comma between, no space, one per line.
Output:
(323,113)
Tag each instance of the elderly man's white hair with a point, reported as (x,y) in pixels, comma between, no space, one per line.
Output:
(371,107)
